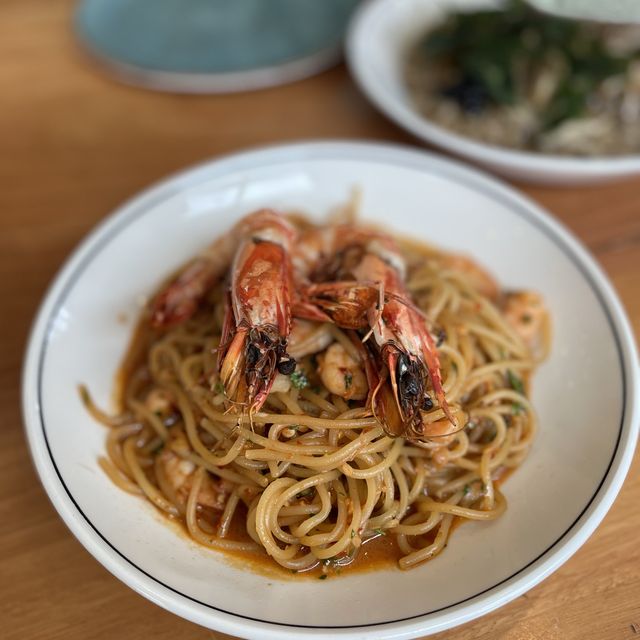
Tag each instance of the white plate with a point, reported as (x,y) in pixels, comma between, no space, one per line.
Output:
(585,394)
(379,37)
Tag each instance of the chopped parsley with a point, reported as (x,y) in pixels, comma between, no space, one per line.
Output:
(515,382)
(516,408)
(218,387)
(299,379)
(380,532)
(322,577)
(348,380)
(466,489)
(353,533)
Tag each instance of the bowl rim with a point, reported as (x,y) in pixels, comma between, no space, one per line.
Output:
(237,624)
(427,130)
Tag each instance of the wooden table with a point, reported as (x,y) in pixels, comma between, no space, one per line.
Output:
(74,145)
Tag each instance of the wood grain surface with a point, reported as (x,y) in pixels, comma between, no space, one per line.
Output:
(74,145)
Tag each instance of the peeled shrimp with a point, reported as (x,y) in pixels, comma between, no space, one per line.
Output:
(526,313)
(342,374)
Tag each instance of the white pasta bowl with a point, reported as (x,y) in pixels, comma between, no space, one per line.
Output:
(585,393)
(379,38)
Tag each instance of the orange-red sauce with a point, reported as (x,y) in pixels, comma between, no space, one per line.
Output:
(381,552)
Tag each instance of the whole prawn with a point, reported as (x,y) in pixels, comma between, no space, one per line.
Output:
(355,278)
(257,322)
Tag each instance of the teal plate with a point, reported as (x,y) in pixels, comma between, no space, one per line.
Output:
(213,45)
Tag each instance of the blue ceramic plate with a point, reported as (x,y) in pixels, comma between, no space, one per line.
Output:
(213,45)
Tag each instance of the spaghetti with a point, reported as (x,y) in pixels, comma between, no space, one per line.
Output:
(312,476)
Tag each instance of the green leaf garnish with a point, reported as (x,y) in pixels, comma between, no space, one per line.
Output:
(494,50)
(515,382)
(348,380)
(299,379)
(218,387)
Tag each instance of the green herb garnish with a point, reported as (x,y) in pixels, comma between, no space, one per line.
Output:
(299,379)
(380,532)
(218,387)
(466,489)
(322,577)
(516,408)
(348,380)
(492,53)
(515,382)
(304,493)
